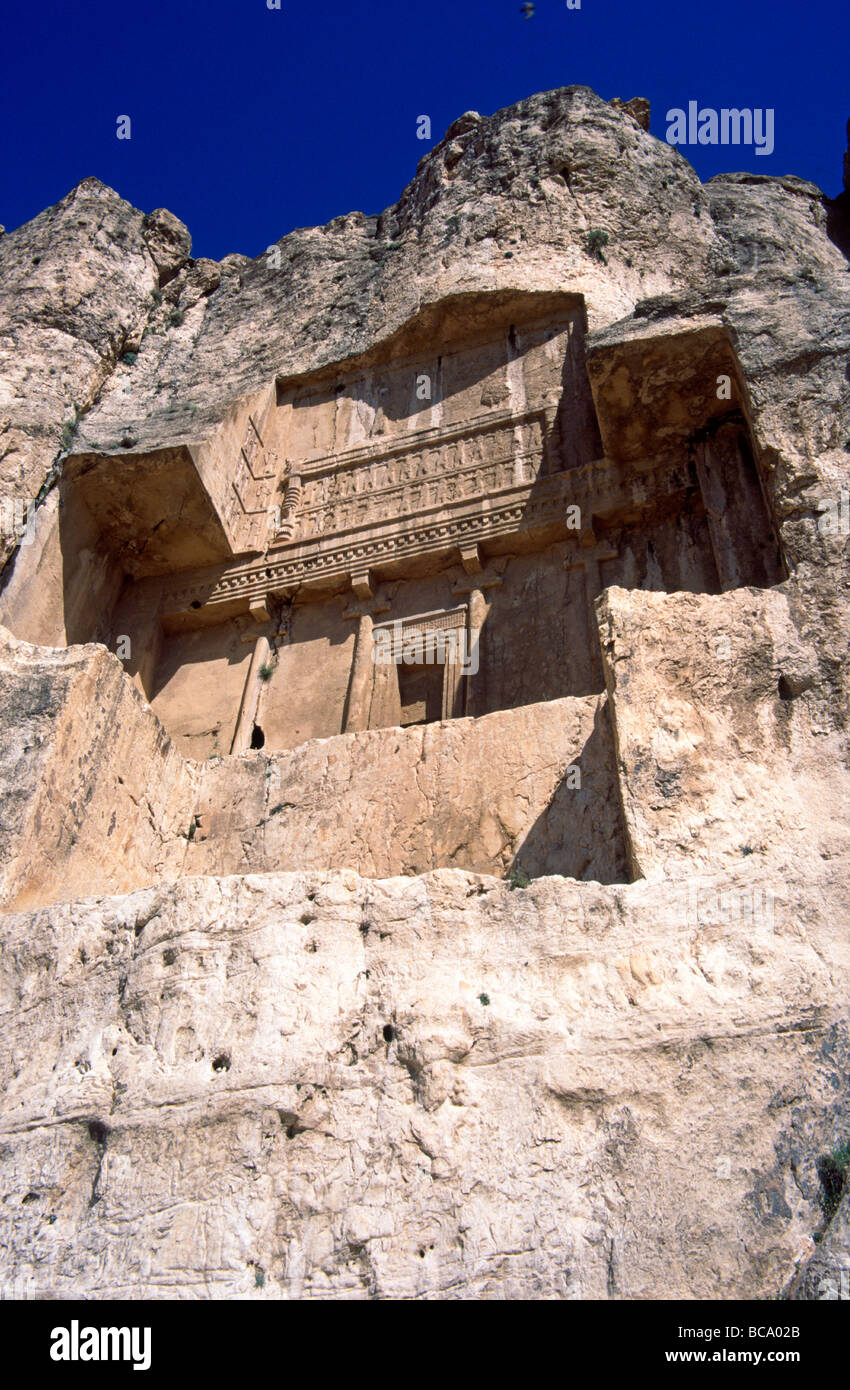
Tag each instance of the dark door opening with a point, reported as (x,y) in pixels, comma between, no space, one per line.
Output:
(421,693)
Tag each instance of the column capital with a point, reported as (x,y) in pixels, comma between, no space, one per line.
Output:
(470,558)
(367,608)
(471,583)
(361,583)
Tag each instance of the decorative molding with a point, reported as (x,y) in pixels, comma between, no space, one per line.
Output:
(521,509)
(330,561)
(438,620)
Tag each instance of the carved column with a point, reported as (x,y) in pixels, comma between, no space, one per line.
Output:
(289,507)
(588,559)
(360,683)
(476,612)
(479,579)
(591,556)
(359,697)
(385,708)
(241,741)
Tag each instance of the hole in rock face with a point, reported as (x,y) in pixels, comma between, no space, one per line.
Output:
(98,1131)
(221,1062)
(258,738)
(169,956)
(196,603)
(389,1032)
(791,687)
(291,1124)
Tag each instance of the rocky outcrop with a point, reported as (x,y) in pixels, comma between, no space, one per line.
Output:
(94,791)
(721,718)
(91,789)
(76,287)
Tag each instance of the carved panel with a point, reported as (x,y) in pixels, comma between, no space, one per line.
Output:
(429,471)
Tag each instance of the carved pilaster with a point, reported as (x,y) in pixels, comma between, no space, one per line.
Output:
(474,587)
(361,681)
(588,558)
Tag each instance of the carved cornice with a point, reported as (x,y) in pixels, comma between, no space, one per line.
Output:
(321,561)
(328,561)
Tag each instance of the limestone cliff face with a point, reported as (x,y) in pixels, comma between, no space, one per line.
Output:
(548,996)
(421,1087)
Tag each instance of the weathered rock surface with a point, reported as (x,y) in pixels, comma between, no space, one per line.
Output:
(91,788)
(424,1087)
(530,788)
(75,290)
(826,1275)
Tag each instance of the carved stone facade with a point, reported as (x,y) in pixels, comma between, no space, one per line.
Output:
(277,1023)
(453,478)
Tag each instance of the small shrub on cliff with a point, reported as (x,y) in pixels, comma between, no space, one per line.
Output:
(266,671)
(66,438)
(518,878)
(832,1171)
(594,241)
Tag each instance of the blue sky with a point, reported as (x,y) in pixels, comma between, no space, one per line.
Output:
(247,122)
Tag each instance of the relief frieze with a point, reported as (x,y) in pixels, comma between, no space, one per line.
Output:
(338,494)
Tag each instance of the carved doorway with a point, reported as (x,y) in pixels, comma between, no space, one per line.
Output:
(419,665)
